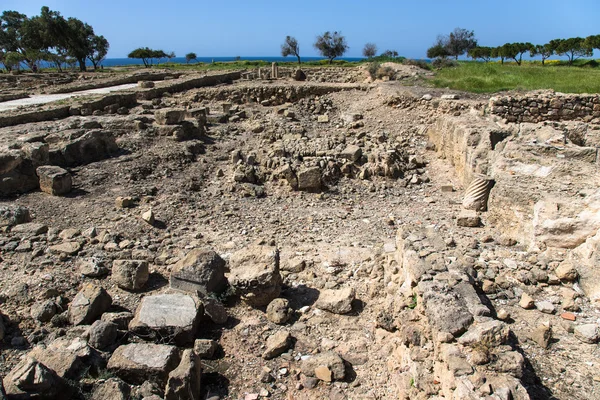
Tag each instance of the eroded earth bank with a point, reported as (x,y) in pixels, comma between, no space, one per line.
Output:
(314,235)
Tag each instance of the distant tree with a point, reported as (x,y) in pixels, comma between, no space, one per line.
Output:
(516,51)
(170,56)
(543,50)
(331,45)
(12,60)
(389,54)
(497,52)
(592,42)
(370,50)
(190,57)
(573,48)
(439,48)
(290,47)
(485,53)
(460,41)
(98,50)
(143,53)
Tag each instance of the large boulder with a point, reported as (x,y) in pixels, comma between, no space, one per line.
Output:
(130,274)
(92,146)
(66,357)
(309,179)
(170,315)
(199,271)
(139,362)
(32,379)
(255,274)
(169,116)
(17,173)
(89,304)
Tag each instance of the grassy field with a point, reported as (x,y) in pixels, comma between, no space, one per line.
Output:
(493,77)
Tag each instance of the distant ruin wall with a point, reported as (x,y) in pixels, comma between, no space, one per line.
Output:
(547,107)
(188,84)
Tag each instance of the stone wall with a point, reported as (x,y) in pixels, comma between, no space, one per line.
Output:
(547,106)
(181,85)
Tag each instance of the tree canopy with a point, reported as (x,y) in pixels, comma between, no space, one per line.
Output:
(50,37)
(149,56)
(290,47)
(331,45)
(370,50)
(190,57)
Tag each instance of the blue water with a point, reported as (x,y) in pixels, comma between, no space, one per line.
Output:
(112,62)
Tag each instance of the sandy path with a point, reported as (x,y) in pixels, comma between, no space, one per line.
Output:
(47,98)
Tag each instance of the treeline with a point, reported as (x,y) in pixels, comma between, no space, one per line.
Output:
(48,37)
(149,56)
(462,41)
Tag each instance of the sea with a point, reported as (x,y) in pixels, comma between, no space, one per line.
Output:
(113,62)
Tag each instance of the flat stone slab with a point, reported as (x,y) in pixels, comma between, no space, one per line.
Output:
(138,362)
(169,314)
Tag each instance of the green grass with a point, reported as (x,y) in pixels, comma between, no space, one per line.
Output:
(583,77)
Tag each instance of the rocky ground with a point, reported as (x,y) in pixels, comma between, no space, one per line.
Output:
(278,239)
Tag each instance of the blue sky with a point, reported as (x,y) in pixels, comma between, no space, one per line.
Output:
(257,28)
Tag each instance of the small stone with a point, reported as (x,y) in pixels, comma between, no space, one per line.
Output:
(588,333)
(121,319)
(205,348)
(68,248)
(545,306)
(54,180)
(336,301)
(277,344)
(184,381)
(526,301)
(148,216)
(469,219)
(112,388)
(130,274)
(169,116)
(568,316)
(124,202)
(278,311)
(216,311)
(323,373)
(503,315)
(566,272)
(330,360)
(542,336)
(323,119)
(92,267)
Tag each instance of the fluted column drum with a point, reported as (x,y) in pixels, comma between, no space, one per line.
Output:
(478,192)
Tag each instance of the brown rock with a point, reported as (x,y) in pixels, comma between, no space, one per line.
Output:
(184,381)
(130,274)
(88,305)
(54,180)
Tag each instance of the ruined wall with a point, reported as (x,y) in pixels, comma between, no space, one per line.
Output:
(547,106)
(176,86)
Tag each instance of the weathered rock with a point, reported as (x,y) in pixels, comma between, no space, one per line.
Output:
(199,271)
(88,305)
(215,310)
(309,179)
(130,274)
(447,311)
(92,267)
(278,311)
(323,119)
(336,301)
(92,146)
(526,301)
(169,116)
(11,215)
(30,229)
(184,381)
(149,217)
(469,219)
(138,362)
(102,334)
(205,348)
(112,389)
(171,315)
(299,75)
(277,344)
(146,84)
(542,336)
(330,360)
(124,202)
(66,357)
(69,248)
(43,312)
(545,306)
(255,274)
(491,333)
(566,271)
(32,379)
(17,173)
(121,319)
(54,180)
(351,153)
(587,333)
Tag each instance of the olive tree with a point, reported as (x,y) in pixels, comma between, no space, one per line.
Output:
(331,45)
(370,50)
(290,47)
(460,41)
(190,57)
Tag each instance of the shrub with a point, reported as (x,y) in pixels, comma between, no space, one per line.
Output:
(440,63)
(386,72)
(417,63)
(373,68)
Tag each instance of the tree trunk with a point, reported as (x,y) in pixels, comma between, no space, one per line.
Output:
(82,67)
(330,61)
(299,62)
